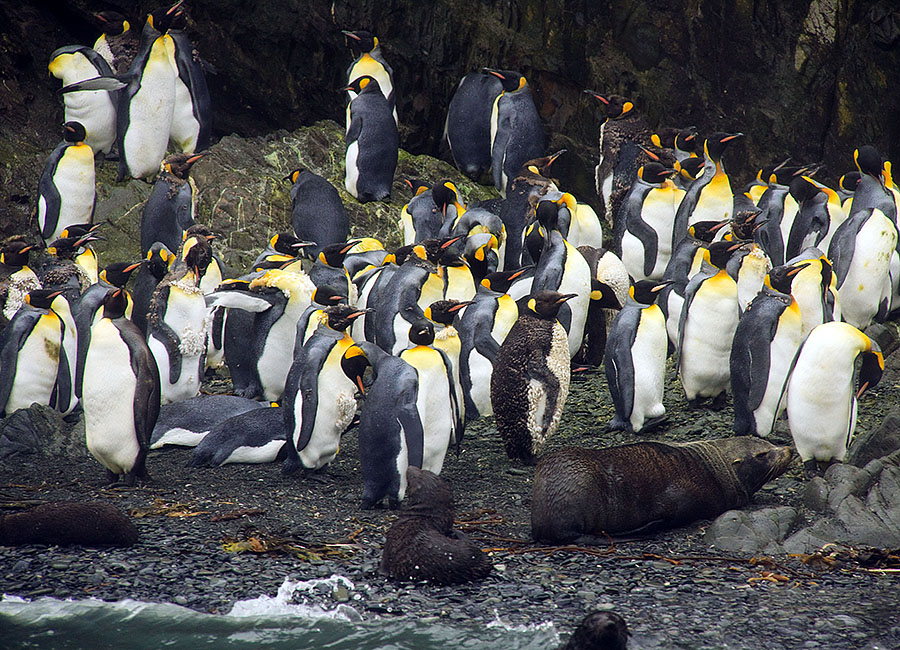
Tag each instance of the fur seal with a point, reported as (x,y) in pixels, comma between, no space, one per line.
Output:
(599,631)
(422,545)
(580,495)
(89,523)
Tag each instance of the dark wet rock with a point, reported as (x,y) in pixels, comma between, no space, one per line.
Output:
(759,531)
(876,443)
(40,430)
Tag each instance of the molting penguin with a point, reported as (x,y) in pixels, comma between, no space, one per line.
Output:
(530,382)
(169,210)
(177,322)
(16,277)
(66,192)
(516,132)
(391,434)
(369,63)
(317,212)
(422,545)
(468,124)
(255,436)
(709,318)
(319,398)
(765,342)
(94,109)
(32,354)
(118,43)
(821,399)
(372,143)
(635,360)
(186,423)
(157,262)
(120,393)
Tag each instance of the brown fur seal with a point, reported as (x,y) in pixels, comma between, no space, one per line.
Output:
(580,495)
(92,523)
(422,545)
(599,631)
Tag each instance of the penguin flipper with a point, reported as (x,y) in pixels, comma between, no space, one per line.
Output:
(166,335)
(94,83)
(308,383)
(537,369)
(760,362)
(619,364)
(48,191)
(411,426)
(689,291)
(246,300)
(356,123)
(648,238)
(842,246)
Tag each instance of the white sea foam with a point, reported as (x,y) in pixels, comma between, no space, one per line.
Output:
(290,601)
(544,626)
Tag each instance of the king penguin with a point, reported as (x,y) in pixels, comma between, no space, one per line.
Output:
(192,114)
(94,109)
(120,394)
(391,433)
(66,193)
(517,135)
(765,342)
(317,212)
(117,43)
(530,381)
(169,210)
(635,360)
(468,124)
(319,399)
(370,63)
(823,421)
(372,143)
(16,277)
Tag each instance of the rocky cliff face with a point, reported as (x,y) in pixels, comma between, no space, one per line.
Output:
(811,80)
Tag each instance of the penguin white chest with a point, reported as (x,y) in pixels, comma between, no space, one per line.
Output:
(648,357)
(74,180)
(867,281)
(544,413)
(37,365)
(108,400)
(708,333)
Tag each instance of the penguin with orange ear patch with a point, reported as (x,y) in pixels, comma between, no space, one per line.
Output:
(372,142)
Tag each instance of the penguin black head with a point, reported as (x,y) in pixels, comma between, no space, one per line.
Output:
(361,40)
(803,189)
(869,161)
(434,248)
(509,79)
(328,296)
(354,363)
(872,367)
(112,23)
(547,214)
(79,230)
(689,168)
(781,277)
(717,143)
(744,222)
(416,186)
(501,281)
(65,248)
(444,194)
(117,273)
(41,298)
(654,172)
(445,312)
(333,255)
(364,84)
(646,291)
(664,137)
(286,243)
(74,132)
(196,251)
(706,230)
(688,140)
(539,168)
(15,253)
(179,164)
(720,252)
(161,19)
(340,317)
(849,181)
(617,106)
(114,304)
(545,304)
(451,256)
(159,259)
(421,332)
(599,630)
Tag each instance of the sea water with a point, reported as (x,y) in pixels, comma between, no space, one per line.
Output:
(272,622)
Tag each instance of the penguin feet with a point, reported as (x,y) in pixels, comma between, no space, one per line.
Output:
(617,424)
(811,468)
(718,402)
(654,423)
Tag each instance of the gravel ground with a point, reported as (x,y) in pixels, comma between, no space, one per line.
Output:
(210,537)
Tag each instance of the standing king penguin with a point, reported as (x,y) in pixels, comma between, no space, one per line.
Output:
(66,193)
(530,381)
(516,132)
(120,394)
(468,125)
(317,212)
(372,142)
(635,360)
(823,420)
(370,63)
(192,114)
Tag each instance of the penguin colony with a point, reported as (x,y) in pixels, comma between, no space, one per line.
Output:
(761,291)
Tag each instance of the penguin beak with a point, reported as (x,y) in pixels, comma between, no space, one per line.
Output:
(132,267)
(662,285)
(496,73)
(596,95)
(350,34)
(733,136)
(564,297)
(451,241)
(652,155)
(174,8)
(556,155)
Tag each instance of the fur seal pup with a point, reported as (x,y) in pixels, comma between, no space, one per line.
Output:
(422,545)
(599,631)
(580,495)
(89,523)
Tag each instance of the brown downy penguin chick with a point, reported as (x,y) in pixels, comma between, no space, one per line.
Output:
(599,631)
(91,523)
(118,44)
(530,381)
(422,545)
(16,277)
